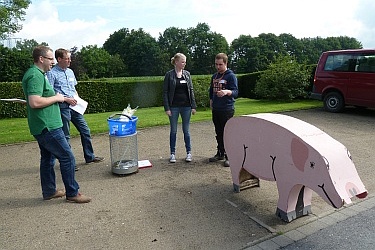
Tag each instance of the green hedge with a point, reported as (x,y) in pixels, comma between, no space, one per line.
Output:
(105,95)
(11,109)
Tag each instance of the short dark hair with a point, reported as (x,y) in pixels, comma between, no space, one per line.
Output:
(61,53)
(222,56)
(39,51)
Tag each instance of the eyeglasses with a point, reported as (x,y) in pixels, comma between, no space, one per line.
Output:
(49,58)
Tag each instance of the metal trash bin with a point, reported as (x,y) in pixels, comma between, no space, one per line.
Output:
(123,145)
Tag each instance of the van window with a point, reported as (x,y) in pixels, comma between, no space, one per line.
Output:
(345,77)
(366,63)
(340,62)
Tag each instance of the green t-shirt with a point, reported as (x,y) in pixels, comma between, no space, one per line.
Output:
(34,82)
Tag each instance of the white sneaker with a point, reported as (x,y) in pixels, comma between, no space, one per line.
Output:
(189,158)
(172,159)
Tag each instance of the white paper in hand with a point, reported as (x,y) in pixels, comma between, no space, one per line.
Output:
(81,105)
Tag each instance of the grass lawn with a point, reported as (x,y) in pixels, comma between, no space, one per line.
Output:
(16,130)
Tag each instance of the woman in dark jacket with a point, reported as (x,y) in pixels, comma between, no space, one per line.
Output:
(178,99)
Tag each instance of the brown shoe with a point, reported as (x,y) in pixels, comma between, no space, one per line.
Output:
(79,198)
(57,194)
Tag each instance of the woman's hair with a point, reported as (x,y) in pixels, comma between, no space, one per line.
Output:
(61,53)
(177,57)
(39,51)
(222,56)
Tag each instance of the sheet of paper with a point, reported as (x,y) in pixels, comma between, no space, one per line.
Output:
(14,100)
(81,105)
(144,164)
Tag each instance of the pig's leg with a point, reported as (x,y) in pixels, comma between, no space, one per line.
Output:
(295,203)
(235,169)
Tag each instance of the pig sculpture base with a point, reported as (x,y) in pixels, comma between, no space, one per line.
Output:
(297,155)
(247,180)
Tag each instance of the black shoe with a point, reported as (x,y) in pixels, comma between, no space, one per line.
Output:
(95,160)
(217,157)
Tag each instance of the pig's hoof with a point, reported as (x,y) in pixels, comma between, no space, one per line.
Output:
(288,217)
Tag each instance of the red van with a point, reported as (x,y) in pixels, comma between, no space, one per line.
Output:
(345,77)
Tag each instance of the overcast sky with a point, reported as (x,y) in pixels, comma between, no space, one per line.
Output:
(69,23)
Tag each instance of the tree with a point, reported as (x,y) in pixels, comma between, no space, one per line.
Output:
(11,12)
(172,41)
(76,65)
(272,47)
(13,64)
(138,50)
(97,62)
(349,42)
(313,47)
(199,44)
(203,47)
(112,43)
(143,54)
(116,67)
(292,46)
(28,45)
(246,54)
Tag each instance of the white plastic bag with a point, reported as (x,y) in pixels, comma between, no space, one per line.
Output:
(127,112)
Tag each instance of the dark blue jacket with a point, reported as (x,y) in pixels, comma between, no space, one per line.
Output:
(227,80)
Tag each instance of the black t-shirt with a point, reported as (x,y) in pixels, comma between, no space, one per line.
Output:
(181,96)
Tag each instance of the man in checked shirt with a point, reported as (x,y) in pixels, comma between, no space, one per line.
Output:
(63,80)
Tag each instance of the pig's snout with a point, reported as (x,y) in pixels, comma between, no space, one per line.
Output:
(361,196)
(353,190)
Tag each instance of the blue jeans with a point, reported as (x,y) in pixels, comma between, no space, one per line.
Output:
(68,115)
(185,113)
(53,144)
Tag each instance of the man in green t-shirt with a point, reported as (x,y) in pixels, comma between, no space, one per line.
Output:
(43,116)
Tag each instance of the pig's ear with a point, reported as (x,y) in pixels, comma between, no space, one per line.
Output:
(300,153)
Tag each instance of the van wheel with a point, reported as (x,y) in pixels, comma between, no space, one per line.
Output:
(333,102)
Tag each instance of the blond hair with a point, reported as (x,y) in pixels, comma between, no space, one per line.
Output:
(176,57)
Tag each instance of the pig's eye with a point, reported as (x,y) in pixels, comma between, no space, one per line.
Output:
(312,164)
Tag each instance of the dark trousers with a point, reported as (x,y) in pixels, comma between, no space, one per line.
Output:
(219,119)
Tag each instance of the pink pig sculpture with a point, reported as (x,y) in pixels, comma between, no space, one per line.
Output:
(297,155)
